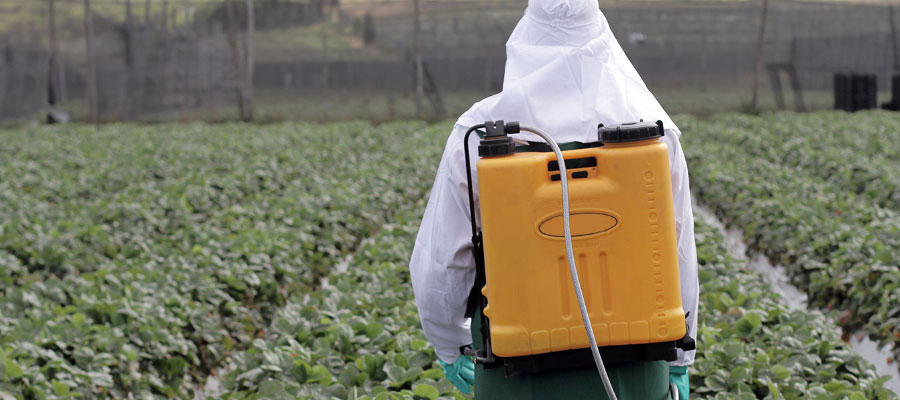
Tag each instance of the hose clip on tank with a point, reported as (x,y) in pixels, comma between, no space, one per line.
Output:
(496,141)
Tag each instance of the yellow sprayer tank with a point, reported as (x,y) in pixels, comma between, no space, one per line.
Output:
(623,232)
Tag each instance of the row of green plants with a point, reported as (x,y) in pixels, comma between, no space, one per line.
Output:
(359,337)
(752,346)
(136,259)
(853,152)
(294,283)
(841,245)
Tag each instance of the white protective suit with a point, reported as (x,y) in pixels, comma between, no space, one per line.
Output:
(565,73)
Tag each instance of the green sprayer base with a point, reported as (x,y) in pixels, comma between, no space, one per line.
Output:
(640,380)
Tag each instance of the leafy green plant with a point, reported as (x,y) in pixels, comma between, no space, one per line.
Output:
(751,346)
(837,236)
(136,259)
(357,337)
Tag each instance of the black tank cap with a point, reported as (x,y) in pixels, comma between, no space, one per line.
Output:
(630,132)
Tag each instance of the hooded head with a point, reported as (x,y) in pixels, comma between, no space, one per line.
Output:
(566,73)
(559,23)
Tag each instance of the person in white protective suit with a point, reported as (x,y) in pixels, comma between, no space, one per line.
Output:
(565,73)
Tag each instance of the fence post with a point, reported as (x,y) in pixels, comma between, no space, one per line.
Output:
(125,106)
(147,13)
(759,55)
(324,62)
(248,78)
(235,56)
(53,78)
(894,40)
(417,57)
(165,15)
(92,71)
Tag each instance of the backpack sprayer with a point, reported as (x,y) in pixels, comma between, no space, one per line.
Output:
(620,228)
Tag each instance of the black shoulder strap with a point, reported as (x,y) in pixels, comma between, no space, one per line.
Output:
(475,298)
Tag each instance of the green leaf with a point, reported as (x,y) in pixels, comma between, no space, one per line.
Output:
(60,389)
(418,344)
(749,324)
(78,320)
(433,373)
(836,387)
(273,390)
(780,371)
(374,329)
(733,349)
(11,369)
(301,371)
(427,391)
(401,360)
(738,374)
(716,383)
(395,373)
(421,359)
(348,376)
(321,375)
(411,374)
(774,390)
(857,396)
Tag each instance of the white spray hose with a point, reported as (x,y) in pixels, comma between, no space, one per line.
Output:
(571,255)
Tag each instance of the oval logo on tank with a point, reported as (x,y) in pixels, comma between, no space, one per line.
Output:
(583,223)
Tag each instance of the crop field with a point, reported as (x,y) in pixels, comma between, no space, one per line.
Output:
(151,261)
(819,194)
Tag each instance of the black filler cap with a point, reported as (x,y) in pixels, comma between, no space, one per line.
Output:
(496,141)
(630,132)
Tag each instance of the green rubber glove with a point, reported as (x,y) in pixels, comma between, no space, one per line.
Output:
(461,373)
(679,376)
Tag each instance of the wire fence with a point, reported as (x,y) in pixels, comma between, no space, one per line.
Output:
(165,59)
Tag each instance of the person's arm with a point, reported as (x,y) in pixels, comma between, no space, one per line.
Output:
(442,267)
(687,257)
(684,232)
